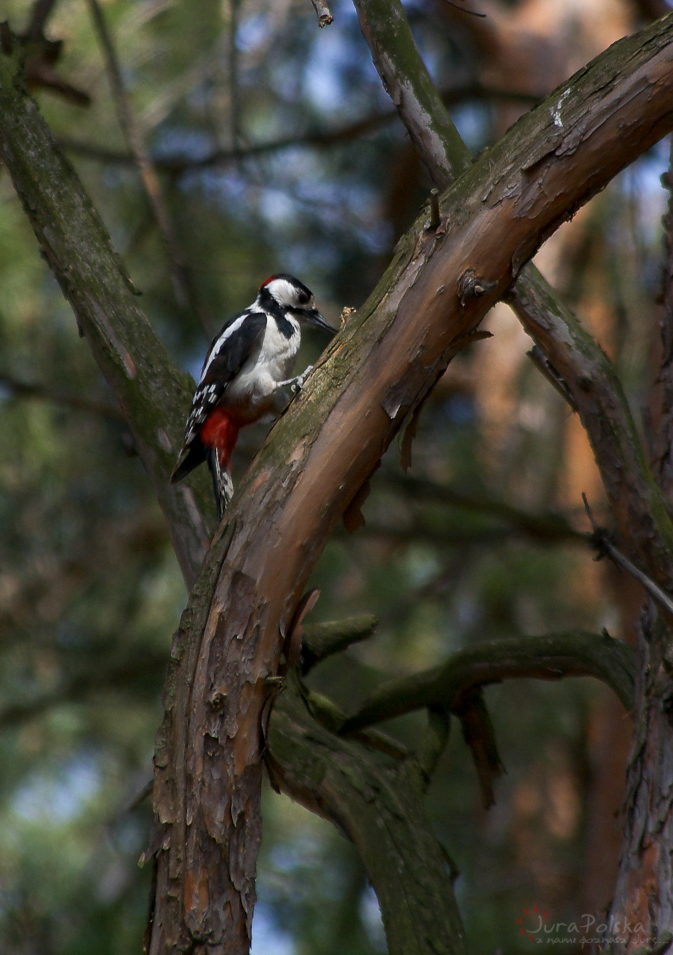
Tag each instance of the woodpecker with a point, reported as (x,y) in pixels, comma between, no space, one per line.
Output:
(244,372)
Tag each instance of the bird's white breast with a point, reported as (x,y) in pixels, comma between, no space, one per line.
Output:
(269,365)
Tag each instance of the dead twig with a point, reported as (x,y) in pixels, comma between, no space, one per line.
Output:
(604,546)
(185,289)
(545,367)
(234,99)
(324,14)
(39,14)
(473,13)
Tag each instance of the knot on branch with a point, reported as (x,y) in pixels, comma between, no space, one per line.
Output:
(435,217)
(470,285)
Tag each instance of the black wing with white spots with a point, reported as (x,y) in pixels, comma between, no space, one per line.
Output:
(228,353)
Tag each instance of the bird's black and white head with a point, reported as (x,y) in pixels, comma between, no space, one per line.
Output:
(290,296)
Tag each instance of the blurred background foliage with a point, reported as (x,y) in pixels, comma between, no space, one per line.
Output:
(277,150)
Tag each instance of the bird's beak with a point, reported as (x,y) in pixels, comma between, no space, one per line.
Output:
(313,316)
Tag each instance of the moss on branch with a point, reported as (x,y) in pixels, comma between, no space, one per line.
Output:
(153,393)
(543,658)
(376,801)
(321,640)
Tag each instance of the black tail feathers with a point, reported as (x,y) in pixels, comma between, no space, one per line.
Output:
(223,486)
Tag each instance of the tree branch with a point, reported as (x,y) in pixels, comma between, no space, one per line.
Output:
(376,802)
(636,501)
(101,675)
(604,546)
(39,14)
(592,382)
(322,640)
(544,658)
(550,528)
(380,367)
(183,279)
(386,29)
(377,370)
(177,164)
(322,12)
(154,395)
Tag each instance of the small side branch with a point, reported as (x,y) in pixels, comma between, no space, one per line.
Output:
(182,277)
(545,658)
(603,544)
(39,14)
(323,12)
(321,640)
(637,503)
(545,527)
(376,800)
(545,367)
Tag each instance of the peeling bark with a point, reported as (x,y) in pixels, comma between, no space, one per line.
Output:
(323,450)
(642,909)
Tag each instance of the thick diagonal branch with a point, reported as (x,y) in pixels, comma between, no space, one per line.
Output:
(376,371)
(381,366)
(586,370)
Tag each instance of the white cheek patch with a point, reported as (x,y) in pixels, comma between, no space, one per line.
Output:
(283,292)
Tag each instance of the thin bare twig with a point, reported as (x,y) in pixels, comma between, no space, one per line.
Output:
(39,14)
(234,101)
(604,545)
(138,799)
(545,367)
(323,11)
(185,289)
(473,13)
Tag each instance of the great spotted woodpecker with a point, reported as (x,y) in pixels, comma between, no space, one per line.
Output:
(245,369)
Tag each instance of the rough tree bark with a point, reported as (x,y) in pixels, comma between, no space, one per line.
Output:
(379,369)
(642,909)
(376,372)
